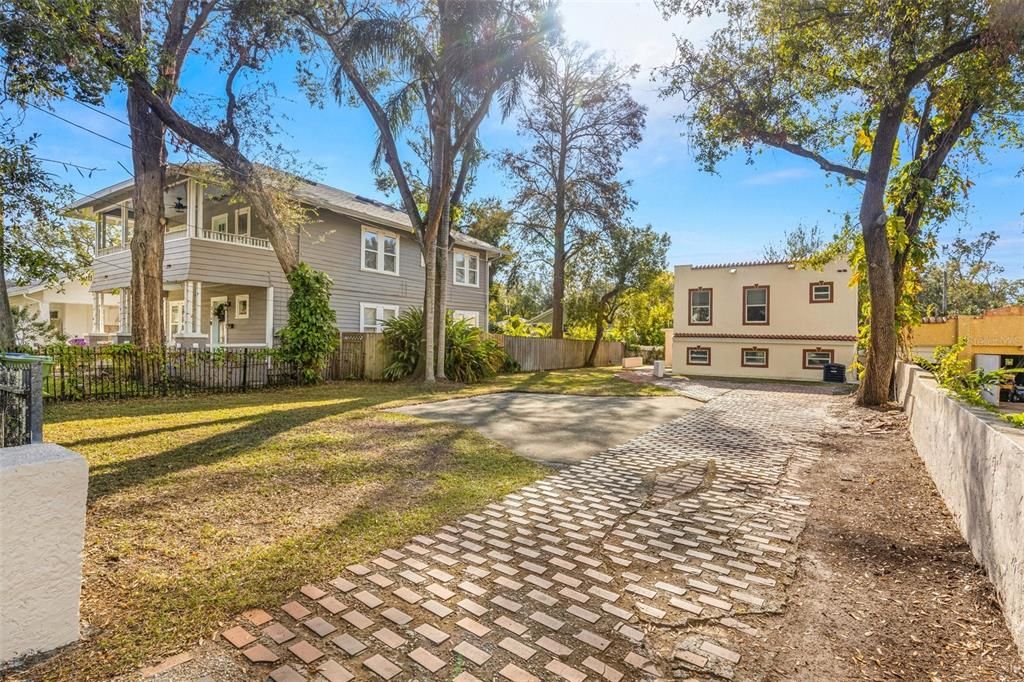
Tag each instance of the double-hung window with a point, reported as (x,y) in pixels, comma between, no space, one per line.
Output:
(380,251)
(467,268)
(243,218)
(755,304)
(698,356)
(818,358)
(372,316)
(821,292)
(470,316)
(754,357)
(700,306)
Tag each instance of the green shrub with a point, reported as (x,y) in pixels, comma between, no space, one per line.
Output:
(469,355)
(403,337)
(953,374)
(310,335)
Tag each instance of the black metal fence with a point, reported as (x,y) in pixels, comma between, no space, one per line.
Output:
(21,404)
(100,372)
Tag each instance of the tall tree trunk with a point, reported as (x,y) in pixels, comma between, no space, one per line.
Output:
(558,282)
(6,319)
(149,156)
(440,326)
(881,357)
(603,316)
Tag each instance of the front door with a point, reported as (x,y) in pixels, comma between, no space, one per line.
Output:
(218,321)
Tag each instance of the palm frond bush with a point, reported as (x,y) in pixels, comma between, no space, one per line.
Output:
(469,355)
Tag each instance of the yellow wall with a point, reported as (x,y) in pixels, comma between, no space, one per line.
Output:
(795,323)
(996,332)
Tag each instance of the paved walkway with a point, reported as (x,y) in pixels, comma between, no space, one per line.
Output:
(556,429)
(642,561)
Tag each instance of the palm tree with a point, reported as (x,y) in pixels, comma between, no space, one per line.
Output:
(441,63)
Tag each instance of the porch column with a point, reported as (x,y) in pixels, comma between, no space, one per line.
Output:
(187,312)
(197,309)
(270,317)
(124,224)
(124,310)
(199,193)
(190,208)
(98,314)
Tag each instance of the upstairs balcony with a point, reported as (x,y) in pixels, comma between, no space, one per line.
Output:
(207,236)
(191,210)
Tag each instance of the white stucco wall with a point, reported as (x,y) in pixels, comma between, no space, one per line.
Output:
(977,463)
(42,529)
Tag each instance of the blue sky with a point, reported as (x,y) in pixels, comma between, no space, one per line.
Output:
(711,218)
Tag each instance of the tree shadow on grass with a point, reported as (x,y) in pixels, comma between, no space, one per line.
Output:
(107,479)
(164,613)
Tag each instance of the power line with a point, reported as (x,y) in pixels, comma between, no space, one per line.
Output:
(70,165)
(79,125)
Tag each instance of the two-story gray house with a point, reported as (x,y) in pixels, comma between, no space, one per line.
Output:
(225,288)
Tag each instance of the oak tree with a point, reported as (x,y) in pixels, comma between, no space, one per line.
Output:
(895,97)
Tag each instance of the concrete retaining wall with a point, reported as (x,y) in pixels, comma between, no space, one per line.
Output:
(42,529)
(977,463)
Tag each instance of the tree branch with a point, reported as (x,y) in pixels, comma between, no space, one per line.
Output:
(779,141)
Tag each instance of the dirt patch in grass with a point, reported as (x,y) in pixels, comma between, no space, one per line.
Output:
(886,588)
(201,508)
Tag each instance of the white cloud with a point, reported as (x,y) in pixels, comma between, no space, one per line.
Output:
(776,177)
(634,32)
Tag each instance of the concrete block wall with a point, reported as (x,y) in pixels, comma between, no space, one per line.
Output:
(42,530)
(977,463)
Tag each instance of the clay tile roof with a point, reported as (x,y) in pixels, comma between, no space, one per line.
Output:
(742,264)
(779,337)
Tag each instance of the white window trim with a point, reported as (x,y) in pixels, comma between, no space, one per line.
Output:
(762,351)
(468,255)
(705,351)
(380,252)
(238,307)
(472,315)
(378,308)
(247,212)
(216,218)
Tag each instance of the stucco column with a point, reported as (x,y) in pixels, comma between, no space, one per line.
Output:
(42,523)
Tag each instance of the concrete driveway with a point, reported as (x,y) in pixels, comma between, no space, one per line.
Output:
(556,429)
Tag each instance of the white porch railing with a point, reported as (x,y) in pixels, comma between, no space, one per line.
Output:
(111,249)
(227,237)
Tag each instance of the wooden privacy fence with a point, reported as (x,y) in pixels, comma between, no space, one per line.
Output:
(363,356)
(535,354)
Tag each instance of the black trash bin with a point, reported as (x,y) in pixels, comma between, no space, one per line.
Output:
(835,373)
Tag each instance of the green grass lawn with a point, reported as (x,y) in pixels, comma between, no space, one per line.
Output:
(202,507)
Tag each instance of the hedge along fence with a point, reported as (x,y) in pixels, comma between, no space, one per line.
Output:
(122,371)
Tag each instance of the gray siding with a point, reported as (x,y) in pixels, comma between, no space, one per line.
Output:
(251,331)
(332,244)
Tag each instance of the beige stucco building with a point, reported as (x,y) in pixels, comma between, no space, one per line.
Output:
(69,307)
(772,320)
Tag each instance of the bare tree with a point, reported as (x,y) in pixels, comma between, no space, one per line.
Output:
(578,126)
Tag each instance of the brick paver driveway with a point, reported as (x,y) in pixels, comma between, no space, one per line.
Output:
(641,561)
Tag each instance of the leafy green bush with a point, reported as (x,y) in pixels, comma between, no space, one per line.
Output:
(469,355)
(952,373)
(403,337)
(310,335)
